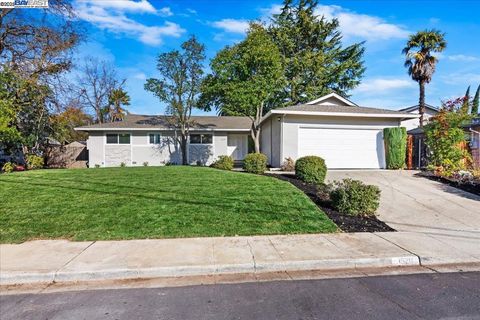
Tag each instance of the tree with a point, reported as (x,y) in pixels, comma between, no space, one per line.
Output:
(420,62)
(445,137)
(476,102)
(179,86)
(97,81)
(244,79)
(117,99)
(315,61)
(466,103)
(65,122)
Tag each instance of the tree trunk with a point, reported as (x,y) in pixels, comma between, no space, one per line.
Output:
(421,102)
(183,147)
(256,139)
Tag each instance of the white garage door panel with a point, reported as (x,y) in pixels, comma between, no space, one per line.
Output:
(343,148)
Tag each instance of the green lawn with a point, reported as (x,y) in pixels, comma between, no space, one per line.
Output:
(151,202)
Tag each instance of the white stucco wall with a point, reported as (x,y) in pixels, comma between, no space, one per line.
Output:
(287,139)
(270,138)
(95,143)
(414,123)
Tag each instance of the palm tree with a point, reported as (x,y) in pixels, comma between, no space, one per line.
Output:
(420,61)
(117,99)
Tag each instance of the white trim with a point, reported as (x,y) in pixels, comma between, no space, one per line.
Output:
(334,95)
(147,129)
(344,114)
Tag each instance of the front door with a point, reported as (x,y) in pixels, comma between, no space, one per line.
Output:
(237,146)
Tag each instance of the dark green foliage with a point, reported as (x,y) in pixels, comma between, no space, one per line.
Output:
(223,163)
(311,169)
(315,61)
(476,102)
(255,163)
(466,102)
(353,197)
(34,162)
(395,147)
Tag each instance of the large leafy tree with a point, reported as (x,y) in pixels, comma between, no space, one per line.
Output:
(315,60)
(179,86)
(244,79)
(421,62)
(118,99)
(65,122)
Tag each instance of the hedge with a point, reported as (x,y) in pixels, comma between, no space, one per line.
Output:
(395,147)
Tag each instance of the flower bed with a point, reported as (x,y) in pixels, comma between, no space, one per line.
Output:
(346,223)
(461,181)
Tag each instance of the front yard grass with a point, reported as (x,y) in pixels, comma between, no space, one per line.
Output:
(151,202)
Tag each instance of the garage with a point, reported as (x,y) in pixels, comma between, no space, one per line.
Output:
(343,148)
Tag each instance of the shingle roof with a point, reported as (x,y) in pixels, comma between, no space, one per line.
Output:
(415,107)
(137,121)
(340,109)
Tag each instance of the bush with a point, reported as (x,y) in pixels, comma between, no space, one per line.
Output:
(223,163)
(123,164)
(288,165)
(145,164)
(97,166)
(311,169)
(255,163)
(395,147)
(34,162)
(353,197)
(8,167)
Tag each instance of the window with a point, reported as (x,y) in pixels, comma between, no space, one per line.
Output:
(114,138)
(201,138)
(154,138)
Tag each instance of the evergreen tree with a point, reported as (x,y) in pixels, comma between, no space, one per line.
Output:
(466,101)
(476,102)
(315,62)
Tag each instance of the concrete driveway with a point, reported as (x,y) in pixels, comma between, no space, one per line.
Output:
(414,204)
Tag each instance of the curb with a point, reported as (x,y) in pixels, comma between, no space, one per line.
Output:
(17,278)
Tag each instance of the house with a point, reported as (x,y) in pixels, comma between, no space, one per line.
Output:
(343,133)
(410,124)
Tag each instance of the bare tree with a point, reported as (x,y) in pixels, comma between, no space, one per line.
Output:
(97,81)
(179,86)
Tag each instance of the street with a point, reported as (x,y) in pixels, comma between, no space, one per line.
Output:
(419,296)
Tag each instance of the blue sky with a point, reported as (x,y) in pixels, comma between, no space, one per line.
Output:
(130,34)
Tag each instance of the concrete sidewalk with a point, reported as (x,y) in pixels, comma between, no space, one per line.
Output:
(48,261)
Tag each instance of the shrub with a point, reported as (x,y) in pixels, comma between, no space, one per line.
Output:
(311,169)
(255,163)
(353,197)
(97,165)
(288,165)
(145,164)
(8,167)
(223,163)
(395,147)
(34,162)
(123,164)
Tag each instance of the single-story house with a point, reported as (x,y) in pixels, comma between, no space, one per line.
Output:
(410,124)
(343,133)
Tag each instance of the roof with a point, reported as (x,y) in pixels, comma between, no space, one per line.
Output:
(160,122)
(415,107)
(335,96)
(341,111)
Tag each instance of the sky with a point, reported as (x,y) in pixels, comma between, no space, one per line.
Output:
(130,34)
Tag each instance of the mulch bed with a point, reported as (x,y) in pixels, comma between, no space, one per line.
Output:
(469,187)
(345,222)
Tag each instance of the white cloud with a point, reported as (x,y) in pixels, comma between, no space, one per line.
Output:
(232,25)
(352,24)
(113,19)
(380,85)
(123,5)
(192,11)
(462,57)
(165,12)
(461,78)
(140,76)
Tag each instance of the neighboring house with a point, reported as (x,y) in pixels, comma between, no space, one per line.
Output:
(344,134)
(410,124)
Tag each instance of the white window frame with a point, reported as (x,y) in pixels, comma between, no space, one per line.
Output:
(159,138)
(201,143)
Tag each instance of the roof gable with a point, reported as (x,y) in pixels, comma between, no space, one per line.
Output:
(416,107)
(332,99)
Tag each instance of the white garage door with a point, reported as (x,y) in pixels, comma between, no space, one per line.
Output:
(343,148)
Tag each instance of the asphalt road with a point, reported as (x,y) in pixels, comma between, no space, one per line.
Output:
(421,296)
